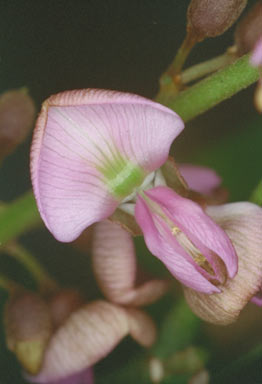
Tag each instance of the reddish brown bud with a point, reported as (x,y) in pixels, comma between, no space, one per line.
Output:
(28,329)
(249,29)
(17,112)
(210,18)
(63,303)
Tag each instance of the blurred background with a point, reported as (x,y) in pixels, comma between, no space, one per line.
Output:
(50,46)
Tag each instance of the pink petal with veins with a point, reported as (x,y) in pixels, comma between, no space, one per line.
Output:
(114,263)
(243,224)
(87,336)
(80,133)
(197,232)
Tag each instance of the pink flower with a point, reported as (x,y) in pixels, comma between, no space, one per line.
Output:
(191,245)
(91,149)
(94,151)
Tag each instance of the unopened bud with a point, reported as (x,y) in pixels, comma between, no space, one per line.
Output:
(28,329)
(17,112)
(210,18)
(249,29)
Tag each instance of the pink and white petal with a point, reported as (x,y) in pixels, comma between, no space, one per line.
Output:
(243,224)
(142,129)
(162,244)
(197,226)
(200,179)
(79,133)
(86,337)
(141,327)
(114,261)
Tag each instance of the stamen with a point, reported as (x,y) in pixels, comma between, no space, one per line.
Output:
(175,230)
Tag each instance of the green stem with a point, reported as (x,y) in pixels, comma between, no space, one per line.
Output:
(17,217)
(207,67)
(213,90)
(182,54)
(45,282)
(7,284)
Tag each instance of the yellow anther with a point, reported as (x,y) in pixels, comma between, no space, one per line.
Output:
(175,231)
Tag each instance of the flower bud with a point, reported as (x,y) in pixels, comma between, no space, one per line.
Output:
(63,303)
(17,112)
(210,18)
(249,29)
(28,329)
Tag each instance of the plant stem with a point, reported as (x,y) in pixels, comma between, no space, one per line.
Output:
(207,67)
(182,54)
(7,284)
(213,90)
(45,283)
(17,217)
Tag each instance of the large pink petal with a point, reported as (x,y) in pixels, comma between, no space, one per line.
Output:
(163,244)
(198,226)
(201,179)
(78,136)
(243,224)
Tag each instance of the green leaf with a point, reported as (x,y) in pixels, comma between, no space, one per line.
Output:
(178,331)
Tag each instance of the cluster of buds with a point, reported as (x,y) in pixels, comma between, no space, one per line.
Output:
(59,338)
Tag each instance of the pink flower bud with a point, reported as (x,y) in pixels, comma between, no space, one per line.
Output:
(210,18)
(17,112)
(28,328)
(63,303)
(249,29)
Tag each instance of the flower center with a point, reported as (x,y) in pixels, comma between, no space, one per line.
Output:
(121,176)
(152,180)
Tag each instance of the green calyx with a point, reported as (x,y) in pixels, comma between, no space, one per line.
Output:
(121,176)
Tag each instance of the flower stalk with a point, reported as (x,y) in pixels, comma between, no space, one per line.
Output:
(18,217)
(45,283)
(207,67)
(212,90)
